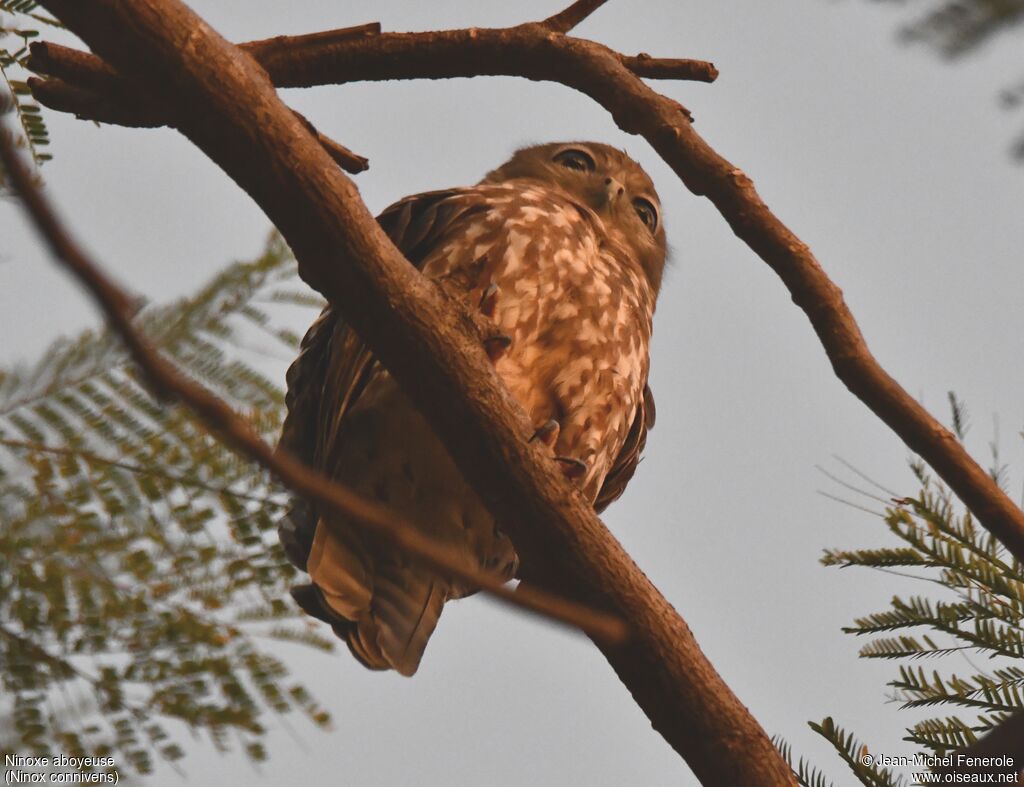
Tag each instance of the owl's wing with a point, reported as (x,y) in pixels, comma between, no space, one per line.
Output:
(334,365)
(629,456)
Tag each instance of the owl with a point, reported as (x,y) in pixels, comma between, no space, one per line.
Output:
(563,247)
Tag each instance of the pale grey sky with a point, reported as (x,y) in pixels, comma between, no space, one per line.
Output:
(891,165)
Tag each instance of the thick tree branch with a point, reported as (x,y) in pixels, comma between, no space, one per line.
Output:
(261,48)
(167,382)
(222,100)
(297,61)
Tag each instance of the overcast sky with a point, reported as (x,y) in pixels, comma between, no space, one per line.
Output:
(888,163)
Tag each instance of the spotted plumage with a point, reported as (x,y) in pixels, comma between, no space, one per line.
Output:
(563,248)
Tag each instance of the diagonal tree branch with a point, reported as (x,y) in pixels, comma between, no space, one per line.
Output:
(168,382)
(224,102)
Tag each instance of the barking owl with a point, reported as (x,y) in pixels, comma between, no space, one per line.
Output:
(563,248)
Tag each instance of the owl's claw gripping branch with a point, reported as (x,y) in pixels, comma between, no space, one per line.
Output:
(497,345)
(572,468)
(547,433)
(489,300)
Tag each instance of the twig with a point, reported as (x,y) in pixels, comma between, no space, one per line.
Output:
(643,65)
(346,159)
(168,382)
(267,46)
(566,20)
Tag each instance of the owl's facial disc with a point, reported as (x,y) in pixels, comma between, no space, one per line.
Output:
(606,185)
(606,181)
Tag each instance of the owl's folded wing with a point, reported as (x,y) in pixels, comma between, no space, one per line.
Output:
(334,365)
(629,455)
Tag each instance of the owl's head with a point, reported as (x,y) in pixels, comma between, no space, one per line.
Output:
(608,182)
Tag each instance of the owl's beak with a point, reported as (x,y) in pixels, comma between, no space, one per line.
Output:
(613,190)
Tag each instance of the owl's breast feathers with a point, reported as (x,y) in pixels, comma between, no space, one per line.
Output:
(578,308)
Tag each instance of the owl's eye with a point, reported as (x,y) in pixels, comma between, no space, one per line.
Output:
(647,213)
(576,159)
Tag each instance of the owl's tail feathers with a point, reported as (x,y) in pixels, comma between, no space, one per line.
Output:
(386,616)
(340,573)
(296,530)
(313,603)
(406,606)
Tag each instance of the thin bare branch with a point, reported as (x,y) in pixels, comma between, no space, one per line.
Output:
(167,382)
(345,158)
(266,46)
(566,20)
(643,65)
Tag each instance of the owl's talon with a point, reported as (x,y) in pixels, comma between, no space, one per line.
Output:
(573,469)
(547,433)
(489,300)
(497,346)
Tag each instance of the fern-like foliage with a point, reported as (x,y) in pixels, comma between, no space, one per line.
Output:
(138,561)
(850,750)
(806,774)
(855,755)
(20,21)
(976,612)
(982,616)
